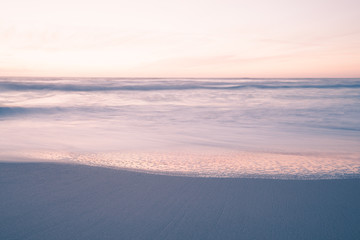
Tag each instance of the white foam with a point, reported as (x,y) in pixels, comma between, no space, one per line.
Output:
(215,164)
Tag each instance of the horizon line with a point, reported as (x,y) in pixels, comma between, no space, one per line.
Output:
(94,77)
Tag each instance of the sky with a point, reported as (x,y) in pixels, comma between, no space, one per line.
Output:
(180,38)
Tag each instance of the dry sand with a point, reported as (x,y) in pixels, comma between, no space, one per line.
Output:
(62,201)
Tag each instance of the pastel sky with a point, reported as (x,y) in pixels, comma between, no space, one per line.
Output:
(180,38)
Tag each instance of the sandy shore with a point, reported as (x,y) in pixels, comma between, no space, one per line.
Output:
(59,201)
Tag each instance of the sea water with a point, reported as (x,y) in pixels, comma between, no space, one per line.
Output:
(273,128)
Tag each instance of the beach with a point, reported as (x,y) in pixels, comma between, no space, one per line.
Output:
(169,158)
(179,120)
(67,201)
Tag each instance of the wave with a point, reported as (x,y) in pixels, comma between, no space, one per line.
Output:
(14,111)
(137,85)
(21,111)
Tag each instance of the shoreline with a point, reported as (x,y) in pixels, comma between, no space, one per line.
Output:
(70,201)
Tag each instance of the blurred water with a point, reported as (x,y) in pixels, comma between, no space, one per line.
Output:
(303,128)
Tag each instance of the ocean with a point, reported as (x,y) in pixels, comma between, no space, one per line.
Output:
(240,127)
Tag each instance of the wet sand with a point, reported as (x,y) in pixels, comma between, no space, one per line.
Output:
(63,201)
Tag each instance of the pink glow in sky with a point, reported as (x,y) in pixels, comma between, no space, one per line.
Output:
(198,38)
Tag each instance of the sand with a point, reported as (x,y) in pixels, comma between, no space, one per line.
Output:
(63,201)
